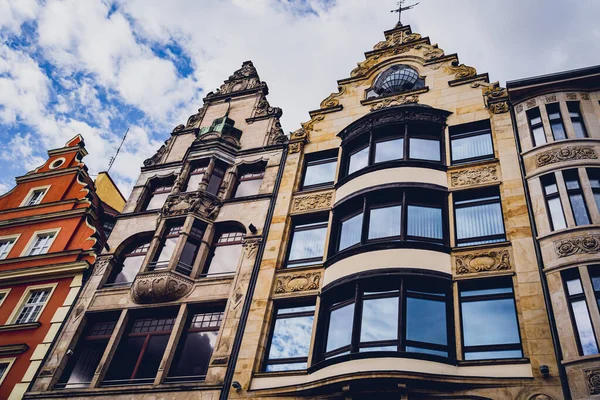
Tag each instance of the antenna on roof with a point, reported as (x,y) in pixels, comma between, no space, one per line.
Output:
(112,159)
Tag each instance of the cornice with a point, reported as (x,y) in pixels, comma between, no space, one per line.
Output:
(43,205)
(50,174)
(44,271)
(13,348)
(35,219)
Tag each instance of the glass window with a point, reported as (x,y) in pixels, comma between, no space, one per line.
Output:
(594,178)
(41,243)
(577,119)
(307,244)
(195,179)
(195,347)
(290,339)
(5,247)
(88,352)
(553,203)
(35,197)
(556,122)
(359,159)
(190,249)
(424,222)
(471,142)
(389,149)
(227,251)
(159,196)
(426,321)
(478,217)
(536,126)
(586,339)
(320,170)
(249,184)
(424,149)
(396,79)
(30,311)
(350,231)
(166,247)
(339,332)
(131,262)
(576,199)
(489,320)
(595,276)
(385,221)
(215,179)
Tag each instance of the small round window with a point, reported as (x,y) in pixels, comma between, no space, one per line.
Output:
(57,163)
(397,79)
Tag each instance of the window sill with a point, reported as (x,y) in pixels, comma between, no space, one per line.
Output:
(475,163)
(581,359)
(457,249)
(296,372)
(248,198)
(17,327)
(314,189)
(499,361)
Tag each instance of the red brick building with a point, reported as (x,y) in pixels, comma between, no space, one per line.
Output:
(52,225)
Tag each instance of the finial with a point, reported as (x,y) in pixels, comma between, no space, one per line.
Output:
(400,9)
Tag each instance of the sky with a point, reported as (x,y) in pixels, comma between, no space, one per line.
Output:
(100,67)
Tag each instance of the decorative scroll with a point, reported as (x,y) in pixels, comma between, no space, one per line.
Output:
(474,176)
(395,101)
(156,158)
(481,262)
(263,110)
(197,202)
(566,153)
(298,282)
(312,202)
(461,71)
(431,52)
(588,244)
(195,118)
(592,378)
(397,39)
(276,134)
(331,100)
(495,97)
(159,287)
(295,147)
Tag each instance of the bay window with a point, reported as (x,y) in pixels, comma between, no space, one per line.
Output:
(159,190)
(249,182)
(167,246)
(536,126)
(577,119)
(575,193)
(196,176)
(226,253)
(471,142)
(580,315)
(478,217)
(129,263)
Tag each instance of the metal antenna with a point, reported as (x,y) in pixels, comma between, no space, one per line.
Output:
(400,9)
(112,159)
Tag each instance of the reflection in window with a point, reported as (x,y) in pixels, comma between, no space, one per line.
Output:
(489,320)
(478,217)
(577,119)
(41,243)
(290,340)
(385,221)
(556,123)
(536,126)
(424,149)
(320,170)
(35,197)
(166,247)
(595,276)
(227,251)
(196,177)
(586,339)
(359,159)
(130,264)
(553,203)
(195,347)
(576,199)
(249,183)
(158,196)
(5,247)
(594,178)
(471,142)
(185,264)
(396,79)
(216,178)
(389,150)
(30,311)
(350,231)
(307,244)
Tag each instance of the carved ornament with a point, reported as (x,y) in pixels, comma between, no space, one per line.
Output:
(540,396)
(195,118)
(482,262)
(431,52)
(474,176)
(198,202)
(160,287)
(331,100)
(373,59)
(461,71)
(397,39)
(585,96)
(395,101)
(565,154)
(295,147)
(519,108)
(592,378)
(101,264)
(263,110)
(588,244)
(530,103)
(495,97)
(551,98)
(251,246)
(312,202)
(244,78)
(276,134)
(297,282)
(499,108)
(571,96)
(156,158)
(307,127)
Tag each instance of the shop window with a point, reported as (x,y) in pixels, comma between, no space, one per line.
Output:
(478,217)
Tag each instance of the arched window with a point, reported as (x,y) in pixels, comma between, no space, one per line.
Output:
(396,79)
(130,261)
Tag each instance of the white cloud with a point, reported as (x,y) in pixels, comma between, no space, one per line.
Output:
(13,13)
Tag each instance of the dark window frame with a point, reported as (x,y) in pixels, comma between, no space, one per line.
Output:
(319,158)
(468,130)
(593,174)
(532,126)
(486,191)
(567,275)
(238,236)
(302,221)
(137,251)
(575,107)
(198,168)
(551,109)
(548,180)
(574,173)
(156,186)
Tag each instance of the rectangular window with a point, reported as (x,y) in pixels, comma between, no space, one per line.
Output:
(215,179)
(577,119)
(359,159)
(576,199)
(35,197)
(249,184)
(556,122)
(226,254)
(290,338)
(385,221)
(553,203)
(350,231)
(471,142)
(478,217)
(389,149)
(424,222)
(307,243)
(594,271)
(190,249)
(195,347)
(424,149)
(594,178)
(140,351)
(41,243)
(131,263)
(536,126)
(5,246)
(195,179)
(30,311)
(489,320)
(5,365)
(166,247)
(580,316)
(158,197)
(319,170)
(89,350)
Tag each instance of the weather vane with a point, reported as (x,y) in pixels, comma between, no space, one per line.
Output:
(400,9)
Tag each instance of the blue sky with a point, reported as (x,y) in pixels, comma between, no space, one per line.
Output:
(99,67)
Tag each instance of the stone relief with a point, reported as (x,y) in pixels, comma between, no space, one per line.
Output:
(156,158)
(571,96)
(551,98)
(540,396)
(101,264)
(276,134)
(298,282)
(397,39)
(197,202)
(331,100)
(499,108)
(519,108)
(495,97)
(160,287)
(251,247)
(461,71)
(588,244)
(244,78)
(481,262)
(295,147)
(395,101)
(431,52)
(585,96)
(312,202)
(565,154)
(195,118)
(474,176)
(530,103)
(264,110)
(592,378)
(307,127)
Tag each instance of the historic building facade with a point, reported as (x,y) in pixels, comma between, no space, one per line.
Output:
(558,122)
(51,228)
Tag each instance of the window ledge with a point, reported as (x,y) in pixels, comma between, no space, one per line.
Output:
(499,361)
(580,359)
(470,164)
(17,327)
(259,196)
(296,372)
(314,189)
(457,249)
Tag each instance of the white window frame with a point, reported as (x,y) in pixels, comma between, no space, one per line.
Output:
(10,361)
(5,292)
(33,237)
(9,237)
(19,307)
(30,194)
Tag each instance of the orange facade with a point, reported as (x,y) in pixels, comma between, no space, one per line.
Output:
(51,228)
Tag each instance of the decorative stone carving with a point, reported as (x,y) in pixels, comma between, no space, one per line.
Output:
(571,96)
(251,246)
(331,100)
(373,59)
(551,98)
(474,176)
(395,101)
(101,264)
(530,103)
(481,262)
(565,154)
(461,71)
(585,96)
(431,52)
(263,110)
(499,108)
(587,244)
(495,97)
(295,147)
(298,282)
(307,127)
(195,118)
(160,287)
(592,378)
(540,396)
(276,134)
(245,78)
(312,202)
(156,158)
(397,39)
(178,128)
(519,108)
(198,202)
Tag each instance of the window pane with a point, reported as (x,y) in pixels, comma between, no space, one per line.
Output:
(579,209)
(489,322)
(358,160)
(194,354)
(574,286)
(308,244)
(350,231)
(225,259)
(340,327)
(285,367)
(379,319)
(479,221)
(389,150)
(426,321)
(579,128)
(80,371)
(425,222)
(427,351)
(558,130)
(291,337)
(248,188)
(215,181)
(194,182)
(166,252)
(472,147)
(379,348)
(384,222)
(157,201)
(488,355)
(125,358)
(152,356)
(320,173)
(556,213)
(131,266)
(539,136)
(584,328)
(424,149)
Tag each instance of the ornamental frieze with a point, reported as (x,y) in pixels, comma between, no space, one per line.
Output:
(197,202)
(565,154)
(395,101)
(483,262)
(474,176)
(297,282)
(312,202)
(160,287)
(592,378)
(588,244)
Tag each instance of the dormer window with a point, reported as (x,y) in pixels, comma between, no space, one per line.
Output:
(396,79)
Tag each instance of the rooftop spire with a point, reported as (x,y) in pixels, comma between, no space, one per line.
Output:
(400,9)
